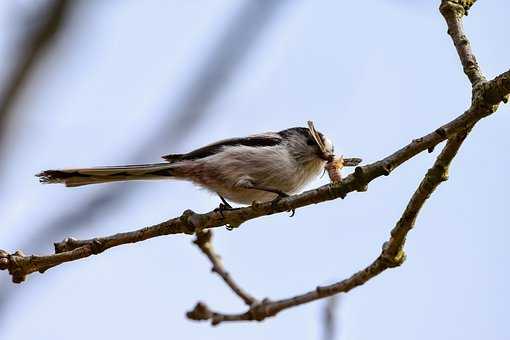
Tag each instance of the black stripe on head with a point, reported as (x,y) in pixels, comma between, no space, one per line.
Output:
(295,130)
(209,150)
(305,132)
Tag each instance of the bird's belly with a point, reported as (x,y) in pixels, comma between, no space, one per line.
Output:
(287,178)
(285,182)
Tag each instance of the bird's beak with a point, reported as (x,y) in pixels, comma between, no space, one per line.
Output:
(325,156)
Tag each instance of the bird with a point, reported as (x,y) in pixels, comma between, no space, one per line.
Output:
(257,168)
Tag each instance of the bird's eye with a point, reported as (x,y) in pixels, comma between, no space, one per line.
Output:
(310,141)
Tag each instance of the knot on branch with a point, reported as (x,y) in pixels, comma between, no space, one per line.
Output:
(261,310)
(95,245)
(361,179)
(4,260)
(192,221)
(337,190)
(489,94)
(323,291)
(437,174)
(466,4)
(392,257)
(385,169)
(392,261)
(68,244)
(203,239)
(456,7)
(200,312)
(16,264)
(441,132)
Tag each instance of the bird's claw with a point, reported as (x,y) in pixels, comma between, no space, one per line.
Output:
(281,195)
(224,205)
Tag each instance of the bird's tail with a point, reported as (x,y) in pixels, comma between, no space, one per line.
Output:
(78,177)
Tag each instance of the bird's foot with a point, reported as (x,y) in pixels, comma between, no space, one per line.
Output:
(224,206)
(275,201)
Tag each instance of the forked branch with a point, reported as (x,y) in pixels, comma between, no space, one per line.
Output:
(203,241)
(486,96)
(392,254)
(453,11)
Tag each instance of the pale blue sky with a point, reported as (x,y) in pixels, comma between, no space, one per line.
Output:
(373,75)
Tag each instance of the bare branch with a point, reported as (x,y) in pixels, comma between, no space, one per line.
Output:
(20,265)
(453,11)
(486,98)
(392,254)
(203,241)
(497,90)
(240,36)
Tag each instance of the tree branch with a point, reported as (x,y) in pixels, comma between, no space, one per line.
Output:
(392,254)
(453,11)
(203,241)
(486,97)
(241,34)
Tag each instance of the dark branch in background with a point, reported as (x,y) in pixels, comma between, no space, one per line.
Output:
(485,100)
(240,37)
(52,20)
(34,43)
(329,315)
(202,312)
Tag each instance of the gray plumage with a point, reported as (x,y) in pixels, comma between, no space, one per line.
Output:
(254,168)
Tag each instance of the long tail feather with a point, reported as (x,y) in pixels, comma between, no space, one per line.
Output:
(78,177)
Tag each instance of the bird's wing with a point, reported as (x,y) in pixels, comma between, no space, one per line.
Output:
(265,139)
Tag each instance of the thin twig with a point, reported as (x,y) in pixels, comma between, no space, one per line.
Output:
(453,11)
(486,99)
(203,241)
